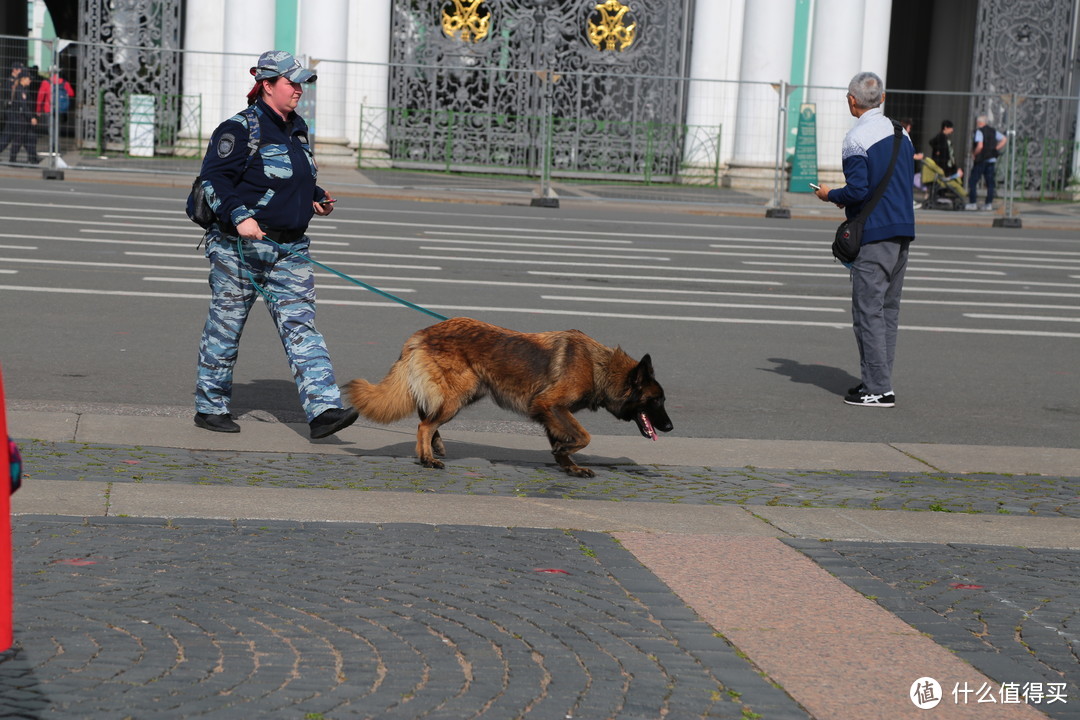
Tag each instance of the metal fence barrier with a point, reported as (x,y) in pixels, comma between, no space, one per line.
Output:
(734,134)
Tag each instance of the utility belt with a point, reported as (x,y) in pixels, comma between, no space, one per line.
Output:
(280,236)
(284,237)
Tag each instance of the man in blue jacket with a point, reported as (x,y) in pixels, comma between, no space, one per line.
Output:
(877,275)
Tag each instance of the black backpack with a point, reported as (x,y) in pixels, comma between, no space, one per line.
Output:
(198,208)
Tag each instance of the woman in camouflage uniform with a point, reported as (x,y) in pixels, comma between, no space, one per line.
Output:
(259,178)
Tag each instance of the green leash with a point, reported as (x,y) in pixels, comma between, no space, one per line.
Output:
(266,294)
(269,297)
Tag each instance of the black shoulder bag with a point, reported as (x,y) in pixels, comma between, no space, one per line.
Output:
(849,235)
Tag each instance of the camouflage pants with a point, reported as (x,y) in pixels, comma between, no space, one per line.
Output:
(290,284)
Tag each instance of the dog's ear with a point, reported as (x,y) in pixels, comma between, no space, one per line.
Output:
(643,372)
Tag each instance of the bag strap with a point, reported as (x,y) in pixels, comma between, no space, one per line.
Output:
(254,129)
(254,137)
(898,133)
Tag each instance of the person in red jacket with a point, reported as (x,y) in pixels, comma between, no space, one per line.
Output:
(44,95)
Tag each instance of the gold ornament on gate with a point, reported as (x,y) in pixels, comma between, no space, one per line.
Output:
(612,28)
(466,23)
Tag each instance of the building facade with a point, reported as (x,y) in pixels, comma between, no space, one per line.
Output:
(649,89)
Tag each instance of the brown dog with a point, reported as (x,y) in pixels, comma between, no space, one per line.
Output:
(545,376)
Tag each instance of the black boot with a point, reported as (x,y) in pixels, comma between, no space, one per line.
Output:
(332,420)
(216,423)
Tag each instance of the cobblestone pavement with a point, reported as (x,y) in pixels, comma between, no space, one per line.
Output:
(120,618)
(1000,494)
(198,618)
(1013,613)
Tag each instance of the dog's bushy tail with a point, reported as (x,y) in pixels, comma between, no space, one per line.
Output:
(386,402)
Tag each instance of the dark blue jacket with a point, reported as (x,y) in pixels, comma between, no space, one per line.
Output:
(278,185)
(866,154)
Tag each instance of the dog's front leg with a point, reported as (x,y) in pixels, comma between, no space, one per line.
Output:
(566,436)
(563,458)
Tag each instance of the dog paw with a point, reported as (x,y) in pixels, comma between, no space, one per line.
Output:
(436,464)
(580,472)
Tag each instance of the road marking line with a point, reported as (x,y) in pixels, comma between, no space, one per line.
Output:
(666,291)
(322,286)
(200,268)
(578,313)
(516,236)
(653,278)
(86,263)
(650,258)
(1026,252)
(511,261)
(819,265)
(690,303)
(1046,318)
(666,251)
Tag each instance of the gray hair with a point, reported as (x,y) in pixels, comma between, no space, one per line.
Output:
(867,89)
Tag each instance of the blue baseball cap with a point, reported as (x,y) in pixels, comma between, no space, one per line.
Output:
(275,63)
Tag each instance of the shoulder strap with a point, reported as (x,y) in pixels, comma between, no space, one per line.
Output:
(898,134)
(254,129)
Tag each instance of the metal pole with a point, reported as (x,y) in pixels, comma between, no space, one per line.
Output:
(547,197)
(776,208)
(1010,220)
(53,169)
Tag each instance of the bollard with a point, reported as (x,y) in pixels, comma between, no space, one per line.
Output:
(6,588)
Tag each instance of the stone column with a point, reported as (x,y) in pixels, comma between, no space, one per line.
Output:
(204,33)
(324,39)
(836,57)
(711,102)
(767,30)
(369,82)
(877,22)
(249,32)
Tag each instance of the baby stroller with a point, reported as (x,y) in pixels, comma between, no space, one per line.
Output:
(942,192)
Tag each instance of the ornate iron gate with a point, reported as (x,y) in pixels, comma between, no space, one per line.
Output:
(1019,51)
(126,48)
(479,84)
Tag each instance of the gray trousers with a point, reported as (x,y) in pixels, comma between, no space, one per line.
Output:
(877,277)
(292,283)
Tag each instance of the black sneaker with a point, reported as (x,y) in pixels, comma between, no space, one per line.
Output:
(332,420)
(861,397)
(216,423)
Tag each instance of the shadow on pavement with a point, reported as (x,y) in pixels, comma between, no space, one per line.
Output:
(828,378)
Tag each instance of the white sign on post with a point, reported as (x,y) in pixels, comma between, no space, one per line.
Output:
(141,126)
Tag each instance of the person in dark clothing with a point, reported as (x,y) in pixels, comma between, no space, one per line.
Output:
(259,177)
(7,100)
(23,120)
(986,146)
(941,150)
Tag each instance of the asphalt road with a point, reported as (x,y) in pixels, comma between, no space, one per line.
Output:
(747,319)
